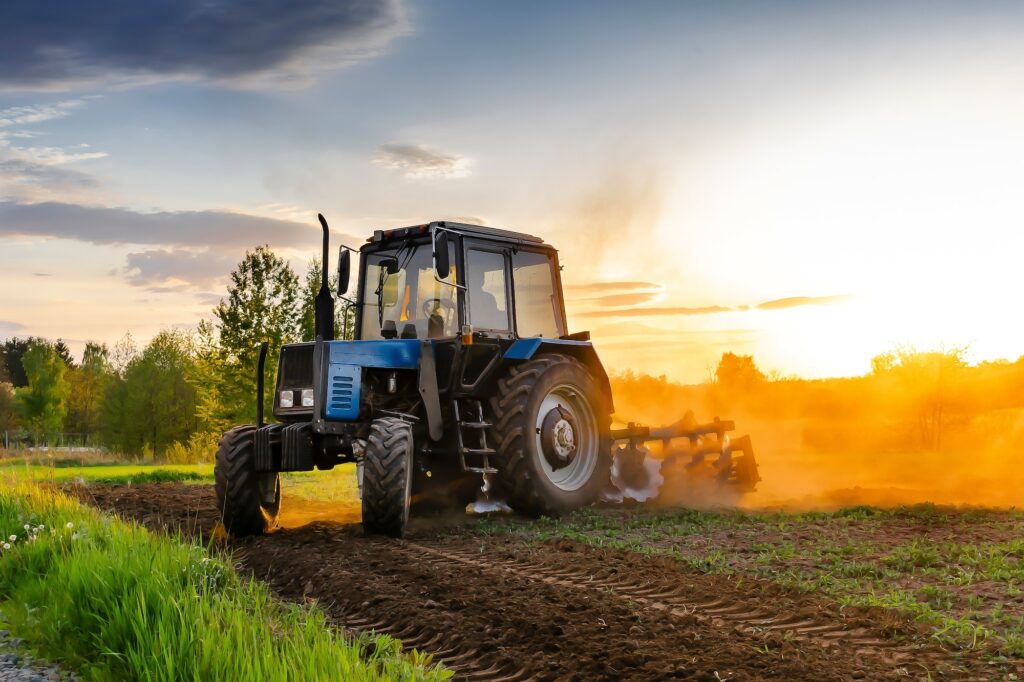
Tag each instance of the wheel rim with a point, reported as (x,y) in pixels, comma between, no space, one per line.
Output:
(573,432)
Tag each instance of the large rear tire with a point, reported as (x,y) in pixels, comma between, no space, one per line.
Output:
(551,429)
(387,477)
(249,501)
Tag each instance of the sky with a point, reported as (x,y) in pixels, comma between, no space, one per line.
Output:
(812,183)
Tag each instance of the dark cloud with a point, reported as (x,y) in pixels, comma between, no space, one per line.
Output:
(418,161)
(177,268)
(192,229)
(796,301)
(62,42)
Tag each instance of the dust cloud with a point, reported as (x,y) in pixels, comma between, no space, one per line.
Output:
(921,427)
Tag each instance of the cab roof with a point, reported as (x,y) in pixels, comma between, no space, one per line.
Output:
(458,228)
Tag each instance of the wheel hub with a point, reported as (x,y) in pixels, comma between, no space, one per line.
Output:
(558,437)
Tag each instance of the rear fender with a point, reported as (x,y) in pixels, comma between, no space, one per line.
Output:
(524,349)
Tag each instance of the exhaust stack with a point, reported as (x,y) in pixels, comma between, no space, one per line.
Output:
(323,309)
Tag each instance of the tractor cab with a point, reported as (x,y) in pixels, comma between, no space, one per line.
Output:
(448,279)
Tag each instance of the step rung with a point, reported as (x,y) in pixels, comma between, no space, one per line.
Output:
(478,451)
(482,470)
(476,425)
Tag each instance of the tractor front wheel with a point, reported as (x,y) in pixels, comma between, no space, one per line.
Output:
(387,477)
(249,501)
(551,428)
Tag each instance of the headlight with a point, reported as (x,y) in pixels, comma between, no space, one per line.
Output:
(307,397)
(287,399)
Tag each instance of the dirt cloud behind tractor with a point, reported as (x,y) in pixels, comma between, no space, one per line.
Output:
(921,427)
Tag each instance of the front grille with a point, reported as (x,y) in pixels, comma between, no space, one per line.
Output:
(296,366)
(343,391)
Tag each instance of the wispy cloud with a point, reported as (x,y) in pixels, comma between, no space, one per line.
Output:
(674,311)
(602,287)
(37,113)
(419,161)
(682,311)
(38,173)
(64,43)
(7,327)
(797,301)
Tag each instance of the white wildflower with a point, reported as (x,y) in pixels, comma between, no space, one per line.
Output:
(7,546)
(28,527)
(69,525)
(12,538)
(74,536)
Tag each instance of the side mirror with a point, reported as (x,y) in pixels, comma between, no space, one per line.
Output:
(442,264)
(389,265)
(344,268)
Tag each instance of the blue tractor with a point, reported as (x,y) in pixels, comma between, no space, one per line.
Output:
(461,377)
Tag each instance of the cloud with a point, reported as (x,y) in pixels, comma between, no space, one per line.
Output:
(795,301)
(418,161)
(7,327)
(626,299)
(602,287)
(177,268)
(63,43)
(191,229)
(778,304)
(37,113)
(651,312)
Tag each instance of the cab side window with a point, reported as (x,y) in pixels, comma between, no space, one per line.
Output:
(485,283)
(538,311)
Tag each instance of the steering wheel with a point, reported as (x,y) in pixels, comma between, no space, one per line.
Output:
(428,305)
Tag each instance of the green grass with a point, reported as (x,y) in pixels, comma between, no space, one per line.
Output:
(116,602)
(962,589)
(61,472)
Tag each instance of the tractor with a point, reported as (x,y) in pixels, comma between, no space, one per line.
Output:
(461,380)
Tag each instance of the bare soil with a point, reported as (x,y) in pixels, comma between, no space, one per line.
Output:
(506,608)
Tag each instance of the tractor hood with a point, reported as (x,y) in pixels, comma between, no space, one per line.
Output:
(391,354)
(348,359)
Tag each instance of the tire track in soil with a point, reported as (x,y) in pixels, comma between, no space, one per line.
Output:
(505,609)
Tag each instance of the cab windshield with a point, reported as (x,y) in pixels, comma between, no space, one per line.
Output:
(418,305)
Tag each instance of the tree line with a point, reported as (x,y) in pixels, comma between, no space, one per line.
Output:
(173,397)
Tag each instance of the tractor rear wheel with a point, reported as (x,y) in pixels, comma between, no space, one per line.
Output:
(551,429)
(387,477)
(249,501)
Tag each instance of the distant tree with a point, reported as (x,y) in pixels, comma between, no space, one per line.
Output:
(64,352)
(262,305)
(152,404)
(41,406)
(738,372)
(310,288)
(6,407)
(13,349)
(87,383)
(207,375)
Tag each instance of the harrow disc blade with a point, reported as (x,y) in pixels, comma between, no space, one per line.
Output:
(635,475)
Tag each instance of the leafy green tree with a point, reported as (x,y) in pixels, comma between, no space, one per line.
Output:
(152,405)
(262,305)
(6,405)
(311,287)
(12,351)
(41,406)
(206,374)
(87,383)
